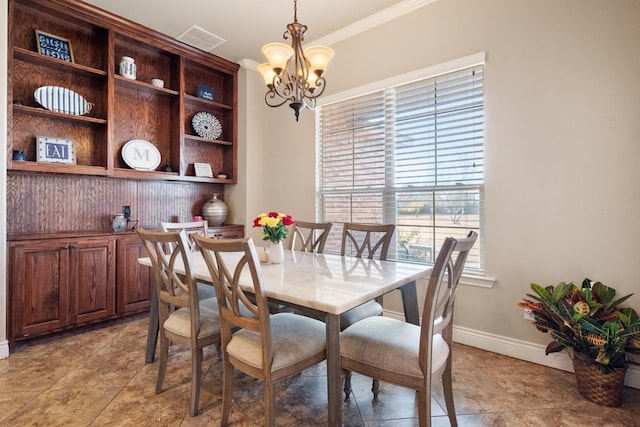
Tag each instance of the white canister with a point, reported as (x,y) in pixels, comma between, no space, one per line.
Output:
(128,67)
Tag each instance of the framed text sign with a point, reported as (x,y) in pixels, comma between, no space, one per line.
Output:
(203,169)
(56,150)
(54,46)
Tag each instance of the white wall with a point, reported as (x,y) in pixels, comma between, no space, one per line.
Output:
(562,139)
(281,160)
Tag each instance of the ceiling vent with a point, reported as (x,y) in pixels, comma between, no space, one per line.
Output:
(200,38)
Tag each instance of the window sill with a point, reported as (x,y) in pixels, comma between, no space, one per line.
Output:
(477,280)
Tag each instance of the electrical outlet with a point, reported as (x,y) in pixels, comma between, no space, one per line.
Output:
(528,314)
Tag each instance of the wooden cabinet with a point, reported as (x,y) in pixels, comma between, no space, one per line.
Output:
(123,109)
(134,281)
(56,283)
(60,283)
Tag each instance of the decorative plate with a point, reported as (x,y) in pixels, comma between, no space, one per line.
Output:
(62,100)
(206,125)
(141,155)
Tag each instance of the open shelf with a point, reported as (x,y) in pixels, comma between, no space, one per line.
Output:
(122,109)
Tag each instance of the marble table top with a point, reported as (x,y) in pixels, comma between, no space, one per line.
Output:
(325,282)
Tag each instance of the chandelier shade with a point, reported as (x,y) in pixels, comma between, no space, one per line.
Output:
(278,54)
(319,57)
(292,74)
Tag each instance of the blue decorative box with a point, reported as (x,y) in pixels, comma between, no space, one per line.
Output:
(205,92)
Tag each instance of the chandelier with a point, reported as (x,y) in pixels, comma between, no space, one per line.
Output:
(293,75)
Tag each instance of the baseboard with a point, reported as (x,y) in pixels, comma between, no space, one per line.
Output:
(523,350)
(4,349)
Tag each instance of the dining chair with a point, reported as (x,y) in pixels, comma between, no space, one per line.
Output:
(269,347)
(184,317)
(204,290)
(409,355)
(190,228)
(365,241)
(309,236)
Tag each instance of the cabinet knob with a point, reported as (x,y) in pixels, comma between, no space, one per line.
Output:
(65,246)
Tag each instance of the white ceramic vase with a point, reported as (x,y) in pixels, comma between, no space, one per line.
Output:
(128,67)
(276,253)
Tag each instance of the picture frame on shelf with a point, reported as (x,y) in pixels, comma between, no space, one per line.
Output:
(205,92)
(203,170)
(54,46)
(55,150)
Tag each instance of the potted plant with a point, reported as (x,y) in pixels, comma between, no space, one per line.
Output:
(594,330)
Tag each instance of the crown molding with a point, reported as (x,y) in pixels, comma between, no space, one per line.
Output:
(402,8)
(372,21)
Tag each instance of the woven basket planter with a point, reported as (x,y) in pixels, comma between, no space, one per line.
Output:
(593,385)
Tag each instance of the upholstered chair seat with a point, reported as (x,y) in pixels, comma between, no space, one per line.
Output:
(179,321)
(391,345)
(292,337)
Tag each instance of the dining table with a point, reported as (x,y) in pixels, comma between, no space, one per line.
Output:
(328,284)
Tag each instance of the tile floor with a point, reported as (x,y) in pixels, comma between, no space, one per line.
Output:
(97,377)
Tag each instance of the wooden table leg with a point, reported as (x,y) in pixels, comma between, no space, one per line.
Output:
(153,329)
(334,373)
(410,303)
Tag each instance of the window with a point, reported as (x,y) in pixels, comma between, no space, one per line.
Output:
(409,154)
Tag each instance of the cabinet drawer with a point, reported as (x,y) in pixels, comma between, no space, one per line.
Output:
(226,232)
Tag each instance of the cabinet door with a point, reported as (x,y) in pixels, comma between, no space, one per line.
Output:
(38,287)
(134,281)
(92,293)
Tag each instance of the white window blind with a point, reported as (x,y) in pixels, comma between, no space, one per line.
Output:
(412,155)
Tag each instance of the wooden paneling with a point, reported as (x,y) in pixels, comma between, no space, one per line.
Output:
(50,203)
(176,202)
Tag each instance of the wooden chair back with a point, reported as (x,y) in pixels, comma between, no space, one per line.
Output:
(227,260)
(309,236)
(441,292)
(173,290)
(190,228)
(367,240)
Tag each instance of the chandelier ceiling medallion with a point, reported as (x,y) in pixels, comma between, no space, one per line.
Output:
(294,75)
